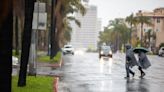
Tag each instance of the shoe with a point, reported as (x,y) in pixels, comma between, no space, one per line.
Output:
(142,75)
(127,77)
(133,74)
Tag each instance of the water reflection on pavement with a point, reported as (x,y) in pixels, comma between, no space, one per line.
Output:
(87,73)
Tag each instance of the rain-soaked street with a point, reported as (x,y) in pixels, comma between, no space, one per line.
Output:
(85,72)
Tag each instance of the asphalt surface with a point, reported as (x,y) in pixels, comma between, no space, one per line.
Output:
(85,72)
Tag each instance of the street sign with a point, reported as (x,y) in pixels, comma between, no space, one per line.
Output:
(39,21)
(41,9)
(39,16)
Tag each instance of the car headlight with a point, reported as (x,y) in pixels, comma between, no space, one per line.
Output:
(110,52)
(101,52)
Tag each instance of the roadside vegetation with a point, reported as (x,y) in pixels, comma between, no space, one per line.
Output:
(35,84)
(14,54)
(47,59)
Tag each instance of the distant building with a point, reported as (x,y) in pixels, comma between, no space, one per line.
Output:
(86,36)
(157,19)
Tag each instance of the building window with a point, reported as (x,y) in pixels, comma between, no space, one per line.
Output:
(157,30)
(158,20)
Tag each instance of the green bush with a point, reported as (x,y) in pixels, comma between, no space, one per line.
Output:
(161,45)
(13,53)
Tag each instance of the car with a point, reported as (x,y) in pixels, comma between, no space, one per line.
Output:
(14,61)
(68,49)
(161,51)
(105,51)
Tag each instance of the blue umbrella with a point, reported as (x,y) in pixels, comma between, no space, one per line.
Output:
(140,49)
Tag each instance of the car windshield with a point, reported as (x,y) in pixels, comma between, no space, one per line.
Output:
(106,48)
(68,46)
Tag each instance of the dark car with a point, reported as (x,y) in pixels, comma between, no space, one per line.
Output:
(105,51)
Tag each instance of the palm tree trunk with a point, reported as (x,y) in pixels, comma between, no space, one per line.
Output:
(6,33)
(52,31)
(26,41)
(141,34)
(149,36)
(53,28)
(16,36)
(130,36)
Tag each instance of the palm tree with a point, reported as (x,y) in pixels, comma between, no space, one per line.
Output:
(143,20)
(120,31)
(52,30)
(6,31)
(132,21)
(148,34)
(62,10)
(26,41)
(18,11)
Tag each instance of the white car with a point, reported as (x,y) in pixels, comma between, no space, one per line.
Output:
(105,51)
(161,51)
(14,60)
(68,49)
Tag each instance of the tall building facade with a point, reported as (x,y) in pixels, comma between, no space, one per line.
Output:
(157,27)
(86,36)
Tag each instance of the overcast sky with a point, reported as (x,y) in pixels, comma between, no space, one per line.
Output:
(110,9)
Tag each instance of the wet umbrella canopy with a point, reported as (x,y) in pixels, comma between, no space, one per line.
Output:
(142,49)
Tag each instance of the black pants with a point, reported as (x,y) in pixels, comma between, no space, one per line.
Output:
(140,68)
(128,70)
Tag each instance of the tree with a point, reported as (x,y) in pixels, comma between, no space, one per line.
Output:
(148,36)
(16,36)
(161,45)
(26,41)
(17,13)
(117,35)
(143,20)
(6,32)
(66,35)
(62,10)
(53,51)
(132,21)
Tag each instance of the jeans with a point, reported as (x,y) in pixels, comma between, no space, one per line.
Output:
(128,70)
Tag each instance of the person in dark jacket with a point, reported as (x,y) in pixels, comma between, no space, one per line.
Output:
(143,63)
(130,61)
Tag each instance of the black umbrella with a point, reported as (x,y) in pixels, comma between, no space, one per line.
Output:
(140,49)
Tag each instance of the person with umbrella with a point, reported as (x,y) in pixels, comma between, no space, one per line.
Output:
(143,62)
(130,60)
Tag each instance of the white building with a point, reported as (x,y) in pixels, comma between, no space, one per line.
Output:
(86,36)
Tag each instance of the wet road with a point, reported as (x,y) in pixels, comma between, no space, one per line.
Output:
(85,72)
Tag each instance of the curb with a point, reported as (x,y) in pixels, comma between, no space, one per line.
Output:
(55,85)
(57,65)
(56,79)
(53,65)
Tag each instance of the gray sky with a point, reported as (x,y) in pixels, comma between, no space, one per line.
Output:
(110,9)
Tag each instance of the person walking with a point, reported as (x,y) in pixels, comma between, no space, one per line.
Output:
(143,63)
(130,61)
